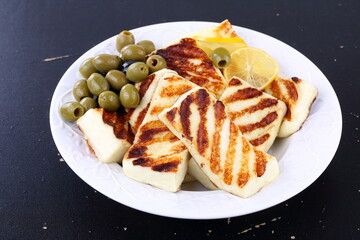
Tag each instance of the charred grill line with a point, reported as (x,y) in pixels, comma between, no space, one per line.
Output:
(260,140)
(117,120)
(244,175)
(262,104)
(203,101)
(219,111)
(263,123)
(243,94)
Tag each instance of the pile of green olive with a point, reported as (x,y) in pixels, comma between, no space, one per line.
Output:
(108,79)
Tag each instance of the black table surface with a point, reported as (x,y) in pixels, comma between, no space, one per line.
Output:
(42,198)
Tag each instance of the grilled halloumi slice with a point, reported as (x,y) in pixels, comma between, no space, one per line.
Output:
(257,114)
(146,90)
(298,96)
(223,30)
(192,63)
(217,145)
(157,156)
(107,134)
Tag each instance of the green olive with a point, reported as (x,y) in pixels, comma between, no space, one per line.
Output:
(221,57)
(88,103)
(155,63)
(87,68)
(129,96)
(97,84)
(124,38)
(116,79)
(71,111)
(106,62)
(133,52)
(81,90)
(137,72)
(148,46)
(109,101)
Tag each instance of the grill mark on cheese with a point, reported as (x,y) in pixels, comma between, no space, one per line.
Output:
(243,94)
(170,115)
(178,148)
(166,167)
(260,140)
(260,162)
(157,109)
(219,111)
(291,90)
(291,95)
(203,101)
(175,90)
(144,162)
(117,120)
(178,58)
(166,164)
(235,82)
(185,113)
(230,154)
(244,175)
(296,80)
(137,151)
(268,119)
(262,104)
(140,118)
(144,86)
(148,131)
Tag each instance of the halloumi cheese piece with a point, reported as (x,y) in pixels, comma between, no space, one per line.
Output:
(298,96)
(223,30)
(217,144)
(189,178)
(195,171)
(192,63)
(107,134)
(157,156)
(257,114)
(146,90)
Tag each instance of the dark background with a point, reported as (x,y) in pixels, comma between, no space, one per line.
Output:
(42,198)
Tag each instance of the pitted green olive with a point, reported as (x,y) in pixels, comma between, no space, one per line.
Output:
(97,84)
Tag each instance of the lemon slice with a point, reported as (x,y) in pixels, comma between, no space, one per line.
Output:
(252,65)
(231,44)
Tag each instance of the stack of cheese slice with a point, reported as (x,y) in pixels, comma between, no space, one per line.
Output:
(217,145)
(157,156)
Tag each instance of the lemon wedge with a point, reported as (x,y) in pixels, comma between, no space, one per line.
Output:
(252,65)
(211,43)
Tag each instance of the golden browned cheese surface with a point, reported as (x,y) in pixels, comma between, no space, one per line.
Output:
(257,114)
(286,91)
(192,63)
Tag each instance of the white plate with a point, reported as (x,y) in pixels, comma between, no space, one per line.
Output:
(302,157)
